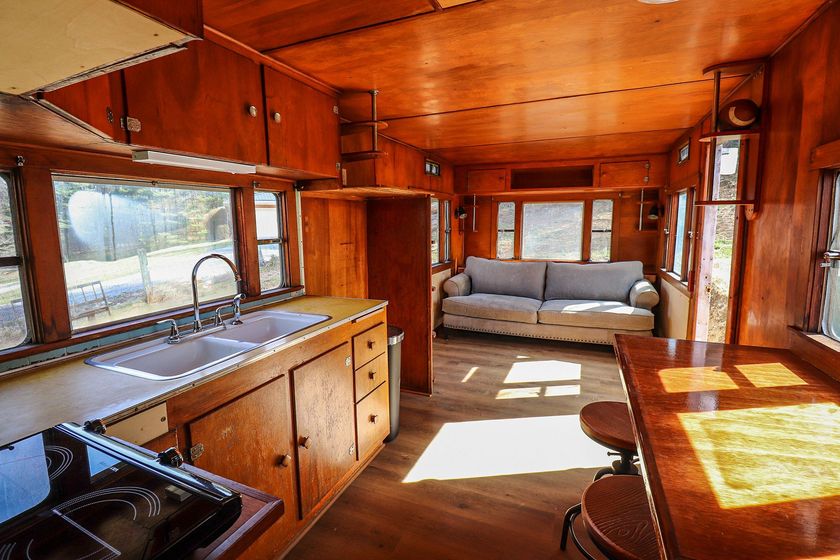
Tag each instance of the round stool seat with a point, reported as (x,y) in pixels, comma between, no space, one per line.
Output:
(617,516)
(608,423)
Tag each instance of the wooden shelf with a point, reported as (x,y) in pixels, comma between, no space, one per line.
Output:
(357,126)
(361,156)
(736,67)
(730,134)
(723,202)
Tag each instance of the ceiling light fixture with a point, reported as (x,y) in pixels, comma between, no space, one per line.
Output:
(192,162)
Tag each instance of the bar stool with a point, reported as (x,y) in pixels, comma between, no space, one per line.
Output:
(617,518)
(608,423)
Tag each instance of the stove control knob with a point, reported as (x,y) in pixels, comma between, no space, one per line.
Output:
(170,458)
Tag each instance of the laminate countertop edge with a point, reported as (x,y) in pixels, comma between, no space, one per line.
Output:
(72,391)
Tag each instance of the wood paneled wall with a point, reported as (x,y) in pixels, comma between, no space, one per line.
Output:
(335,247)
(805,113)
(399,257)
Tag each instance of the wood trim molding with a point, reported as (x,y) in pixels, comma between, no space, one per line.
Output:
(818,350)
(826,156)
(669,278)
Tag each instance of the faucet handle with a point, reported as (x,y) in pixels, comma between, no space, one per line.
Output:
(174,334)
(237,300)
(217,316)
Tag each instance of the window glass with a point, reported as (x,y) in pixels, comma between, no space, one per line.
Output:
(129,247)
(447,231)
(505,230)
(552,230)
(831,304)
(679,233)
(435,231)
(725,178)
(602,216)
(272,241)
(14,330)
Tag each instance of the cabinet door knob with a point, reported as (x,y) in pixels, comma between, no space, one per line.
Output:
(252,110)
(276,117)
(371,344)
(372,374)
(306,442)
(374,418)
(285,460)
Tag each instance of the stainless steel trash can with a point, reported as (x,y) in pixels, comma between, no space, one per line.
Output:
(395,338)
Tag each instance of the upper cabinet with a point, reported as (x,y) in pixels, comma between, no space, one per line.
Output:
(96,104)
(206,100)
(303,127)
(486,180)
(76,39)
(625,174)
(404,167)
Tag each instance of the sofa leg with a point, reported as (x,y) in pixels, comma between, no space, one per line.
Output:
(444,333)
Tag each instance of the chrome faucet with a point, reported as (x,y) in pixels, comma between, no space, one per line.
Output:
(196,325)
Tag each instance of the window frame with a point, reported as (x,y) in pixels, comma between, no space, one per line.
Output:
(19,260)
(282,241)
(127,323)
(669,234)
(587,199)
(832,229)
(435,232)
(447,231)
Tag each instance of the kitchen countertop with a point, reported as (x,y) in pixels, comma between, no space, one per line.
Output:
(69,390)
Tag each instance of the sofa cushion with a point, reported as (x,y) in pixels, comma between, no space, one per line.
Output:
(595,314)
(606,281)
(494,306)
(525,279)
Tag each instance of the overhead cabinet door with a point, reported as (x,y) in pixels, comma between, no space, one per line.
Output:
(206,100)
(303,128)
(325,422)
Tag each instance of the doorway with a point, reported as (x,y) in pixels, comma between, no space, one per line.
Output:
(720,243)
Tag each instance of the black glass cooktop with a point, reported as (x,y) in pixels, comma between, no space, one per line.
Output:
(69,494)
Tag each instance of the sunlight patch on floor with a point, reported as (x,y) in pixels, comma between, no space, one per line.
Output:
(469,374)
(543,371)
(532,392)
(509,446)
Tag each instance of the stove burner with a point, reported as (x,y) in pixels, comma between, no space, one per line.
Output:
(65,458)
(6,551)
(96,497)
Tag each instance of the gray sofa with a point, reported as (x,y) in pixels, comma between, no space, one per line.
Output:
(560,301)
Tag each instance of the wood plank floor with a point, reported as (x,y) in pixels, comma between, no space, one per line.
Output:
(486,467)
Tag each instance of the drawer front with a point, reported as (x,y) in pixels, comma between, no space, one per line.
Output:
(369,344)
(371,375)
(373,420)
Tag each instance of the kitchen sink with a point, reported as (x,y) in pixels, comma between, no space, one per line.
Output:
(267,326)
(195,353)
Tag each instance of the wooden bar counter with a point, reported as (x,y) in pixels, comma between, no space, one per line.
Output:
(739,447)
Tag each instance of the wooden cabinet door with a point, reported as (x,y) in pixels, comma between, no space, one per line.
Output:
(486,180)
(625,174)
(95,103)
(204,100)
(325,424)
(303,126)
(250,441)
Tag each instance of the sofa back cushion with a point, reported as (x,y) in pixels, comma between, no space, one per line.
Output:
(605,282)
(525,279)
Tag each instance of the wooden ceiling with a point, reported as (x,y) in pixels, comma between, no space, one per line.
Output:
(501,78)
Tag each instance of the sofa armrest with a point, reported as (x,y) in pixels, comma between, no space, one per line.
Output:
(458,285)
(644,295)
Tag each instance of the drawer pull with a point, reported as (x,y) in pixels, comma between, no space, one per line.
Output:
(372,374)
(374,418)
(306,442)
(371,344)
(285,460)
